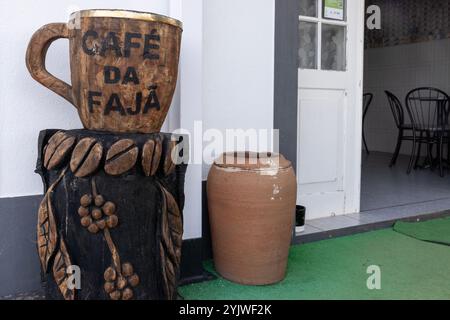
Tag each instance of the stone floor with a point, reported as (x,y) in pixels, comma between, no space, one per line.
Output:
(25,296)
(384,187)
(387,195)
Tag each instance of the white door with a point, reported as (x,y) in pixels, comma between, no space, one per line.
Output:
(330,114)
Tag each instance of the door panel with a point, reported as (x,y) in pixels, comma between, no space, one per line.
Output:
(321,131)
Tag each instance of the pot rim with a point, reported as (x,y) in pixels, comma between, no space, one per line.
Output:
(263,161)
(126,14)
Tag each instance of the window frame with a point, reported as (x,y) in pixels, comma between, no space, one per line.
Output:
(319,20)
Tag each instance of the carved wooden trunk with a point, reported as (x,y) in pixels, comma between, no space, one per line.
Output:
(112,208)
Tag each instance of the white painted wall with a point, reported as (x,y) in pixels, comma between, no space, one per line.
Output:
(238,65)
(191,107)
(400,69)
(26,107)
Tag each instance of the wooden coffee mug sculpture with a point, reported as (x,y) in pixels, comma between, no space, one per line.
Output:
(114,191)
(124,67)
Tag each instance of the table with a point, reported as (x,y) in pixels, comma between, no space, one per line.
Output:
(438,131)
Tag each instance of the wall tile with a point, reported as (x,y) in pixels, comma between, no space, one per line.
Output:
(400,69)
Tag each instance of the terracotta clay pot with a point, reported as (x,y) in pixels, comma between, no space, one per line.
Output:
(251,202)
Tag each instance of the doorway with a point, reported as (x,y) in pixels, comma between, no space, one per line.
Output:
(411,50)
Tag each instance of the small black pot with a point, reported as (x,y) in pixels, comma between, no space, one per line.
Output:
(300,213)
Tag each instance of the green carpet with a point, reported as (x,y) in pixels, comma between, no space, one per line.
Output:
(336,269)
(437,231)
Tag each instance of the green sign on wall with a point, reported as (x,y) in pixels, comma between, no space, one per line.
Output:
(333,9)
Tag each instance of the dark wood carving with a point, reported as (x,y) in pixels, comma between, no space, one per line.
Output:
(112,209)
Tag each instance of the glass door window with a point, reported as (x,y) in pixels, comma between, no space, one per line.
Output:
(323,35)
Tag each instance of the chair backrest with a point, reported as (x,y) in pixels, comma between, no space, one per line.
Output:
(396,108)
(367,100)
(427,108)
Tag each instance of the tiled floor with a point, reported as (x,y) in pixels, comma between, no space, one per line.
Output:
(384,187)
(387,194)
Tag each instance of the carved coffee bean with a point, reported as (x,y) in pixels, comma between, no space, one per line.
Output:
(133,280)
(99,200)
(57,149)
(83,212)
(127,269)
(86,200)
(121,283)
(121,157)
(169,165)
(97,214)
(51,146)
(86,157)
(110,274)
(151,156)
(93,228)
(101,224)
(127,294)
(112,221)
(109,208)
(116,295)
(109,287)
(86,221)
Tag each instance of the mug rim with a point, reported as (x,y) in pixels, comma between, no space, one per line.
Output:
(126,14)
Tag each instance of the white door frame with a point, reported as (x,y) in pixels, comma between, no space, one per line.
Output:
(353,201)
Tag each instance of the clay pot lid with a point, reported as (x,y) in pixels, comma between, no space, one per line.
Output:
(252,161)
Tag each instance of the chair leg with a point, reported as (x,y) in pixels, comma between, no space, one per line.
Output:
(365,143)
(447,138)
(419,152)
(397,148)
(440,155)
(413,155)
(430,150)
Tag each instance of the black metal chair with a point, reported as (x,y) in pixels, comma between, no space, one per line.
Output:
(399,118)
(428,110)
(367,100)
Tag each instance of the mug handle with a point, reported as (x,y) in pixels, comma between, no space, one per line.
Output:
(36,54)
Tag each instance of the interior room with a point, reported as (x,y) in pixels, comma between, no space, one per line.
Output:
(410,51)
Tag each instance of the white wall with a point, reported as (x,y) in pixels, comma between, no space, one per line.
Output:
(191,106)
(26,107)
(400,69)
(238,67)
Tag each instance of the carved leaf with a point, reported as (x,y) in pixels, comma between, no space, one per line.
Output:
(47,235)
(171,241)
(60,266)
